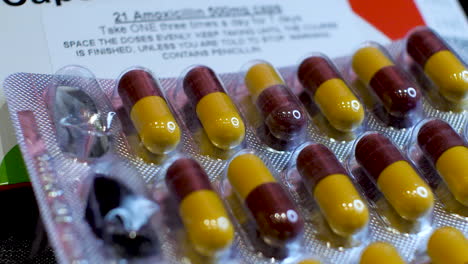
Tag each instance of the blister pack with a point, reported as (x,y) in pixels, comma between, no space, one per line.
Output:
(351,160)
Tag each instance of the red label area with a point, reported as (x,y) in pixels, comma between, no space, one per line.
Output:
(393,18)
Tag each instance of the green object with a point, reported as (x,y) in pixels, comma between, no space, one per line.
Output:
(12,169)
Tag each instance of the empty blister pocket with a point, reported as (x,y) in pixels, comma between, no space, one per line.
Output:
(81,112)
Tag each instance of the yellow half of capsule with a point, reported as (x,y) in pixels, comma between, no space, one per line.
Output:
(246,172)
(452,165)
(309,261)
(206,221)
(368,61)
(345,211)
(221,121)
(408,194)
(448,245)
(155,124)
(449,74)
(261,76)
(381,253)
(339,105)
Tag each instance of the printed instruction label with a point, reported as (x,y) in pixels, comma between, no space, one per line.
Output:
(167,37)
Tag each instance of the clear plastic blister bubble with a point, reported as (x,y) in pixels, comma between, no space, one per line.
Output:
(197,220)
(394,187)
(152,129)
(83,118)
(275,112)
(388,91)
(120,212)
(266,216)
(339,221)
(441,154)
(440,70)
(210,114)
(331,103)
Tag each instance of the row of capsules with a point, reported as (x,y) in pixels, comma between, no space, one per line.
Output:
(271,209)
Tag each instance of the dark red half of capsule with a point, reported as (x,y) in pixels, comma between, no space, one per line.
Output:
(435,137)
(137,84)
(201,81)
(282,112)
(316,162)
(422,44)
(276,216)
(314,71)
(185,176)
(375,152)
(398,94)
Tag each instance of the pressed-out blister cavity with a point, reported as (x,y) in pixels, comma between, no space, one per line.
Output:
(121,213)
(148,110)
(57,178)
(442,154)
(265,213)
(282,114)
(322,81)
(396,97)
(83,126)
(447,73)
(314,173)
(406,201)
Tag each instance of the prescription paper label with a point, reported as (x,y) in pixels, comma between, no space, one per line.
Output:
(167,37)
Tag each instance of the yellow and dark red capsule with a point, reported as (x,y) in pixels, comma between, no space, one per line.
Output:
(382,253)
(448,245)
(281,110)
(398,181)
(439,63)
(276,216)
(215,110)
(448,152)
(322,81)
(323,174)
(201,210)
(398,94)
(149,112)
